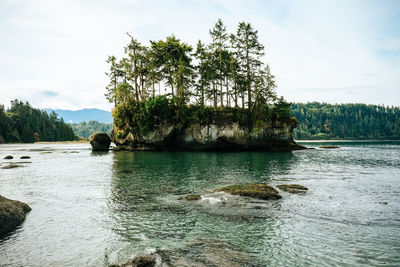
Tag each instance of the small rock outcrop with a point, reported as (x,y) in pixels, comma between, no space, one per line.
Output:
(25,157)
(151,260)
(8,157)
(292,188)
(11,166)
(100,141)
(192,197)
(329,147)
(12,214)
(260,191)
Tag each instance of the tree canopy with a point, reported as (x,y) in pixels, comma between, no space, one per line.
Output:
(346,121)
(228,72)
(23,123)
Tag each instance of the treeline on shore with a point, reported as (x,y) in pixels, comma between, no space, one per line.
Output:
(86,129)
(321,121)
(25,124)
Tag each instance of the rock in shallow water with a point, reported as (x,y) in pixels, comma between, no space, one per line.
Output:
(12,214)
(197,252)
(260,191)
(11,166)
(292,188)
(100,141)
(192,197)
(8,157)
(329,147)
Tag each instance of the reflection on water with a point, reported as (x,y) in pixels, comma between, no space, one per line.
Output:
(98,208)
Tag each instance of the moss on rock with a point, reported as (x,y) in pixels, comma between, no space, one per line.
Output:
(192,197)
(292,188)
(12,214)
(260,191)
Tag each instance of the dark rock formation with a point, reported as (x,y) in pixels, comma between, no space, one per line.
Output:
(260,191)
(292,188)
(100,142)
(218,136)
(329,147)
(25,157)
(12,214)
(8,157)
(11,166)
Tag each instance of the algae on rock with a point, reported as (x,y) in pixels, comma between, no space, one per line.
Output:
(260,191)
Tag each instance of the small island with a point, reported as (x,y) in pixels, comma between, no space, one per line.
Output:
(220,96)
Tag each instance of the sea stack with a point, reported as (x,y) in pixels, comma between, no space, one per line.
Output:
(100,142)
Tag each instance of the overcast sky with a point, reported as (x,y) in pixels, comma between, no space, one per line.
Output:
(53,52)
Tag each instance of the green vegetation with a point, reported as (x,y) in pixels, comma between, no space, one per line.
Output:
(292,188)
(169,82)
(260,191)
(23,123)
(86,129)
(345,121)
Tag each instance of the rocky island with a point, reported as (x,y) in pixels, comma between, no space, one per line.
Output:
(220,96)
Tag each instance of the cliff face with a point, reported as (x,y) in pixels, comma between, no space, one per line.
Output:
(222,136)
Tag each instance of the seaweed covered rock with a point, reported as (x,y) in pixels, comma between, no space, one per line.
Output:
(191,197)
(292,188)
(100,141)
(150,260)
(260,191)
(12,214)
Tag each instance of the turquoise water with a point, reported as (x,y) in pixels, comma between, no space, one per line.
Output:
(98,208)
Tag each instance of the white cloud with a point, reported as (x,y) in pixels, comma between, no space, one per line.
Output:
(324,46)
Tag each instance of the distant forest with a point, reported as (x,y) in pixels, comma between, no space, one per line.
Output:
(86,129)
(23,123)
(345,121)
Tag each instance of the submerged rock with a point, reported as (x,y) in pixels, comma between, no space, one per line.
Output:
(100,141)
(199,253)
(260,191)
(292,188)
(11,166)
(192,197)
(329,147)
(25,157)
(141,261)
(8,157)
(12,214)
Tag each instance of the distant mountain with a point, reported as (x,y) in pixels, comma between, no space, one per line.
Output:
(87,114)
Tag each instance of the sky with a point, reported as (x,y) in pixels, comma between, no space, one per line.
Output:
(53,52)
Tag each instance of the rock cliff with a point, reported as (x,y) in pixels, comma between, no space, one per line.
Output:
(221,136)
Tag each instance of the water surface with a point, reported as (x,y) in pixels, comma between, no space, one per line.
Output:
(98,208)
